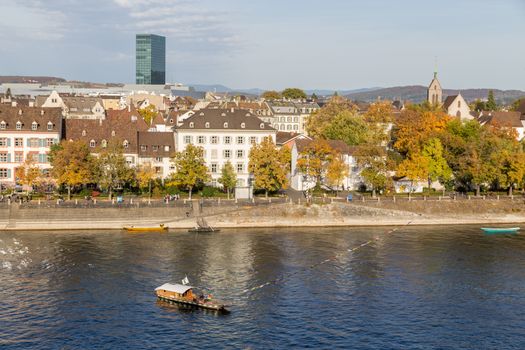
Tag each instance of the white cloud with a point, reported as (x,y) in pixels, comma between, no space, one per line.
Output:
(28,21)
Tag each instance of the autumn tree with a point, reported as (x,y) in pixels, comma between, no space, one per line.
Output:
(190,168)
(271,95)
(512,169)
(28,173)
(349,127)
(72,164)
(110,168)
(228,178)
(269,166)
(148,113)
(414,167)
(320,120)
(438,168)
(145,175)
(293,94)
(314,158)
(336,172)
(379,112)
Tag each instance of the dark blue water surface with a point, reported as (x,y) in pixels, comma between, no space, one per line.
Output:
(417,288)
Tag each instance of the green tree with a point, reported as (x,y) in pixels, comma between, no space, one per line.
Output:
(190,168)
(349,127)
(293,94)
(318,121)
(269,166)
(271,95)
(314,97)
(148,114)
(438,168)
(374,165)
(228,178)
(72,164)
(491,104)
(517,104)
(479,105)
(110,168)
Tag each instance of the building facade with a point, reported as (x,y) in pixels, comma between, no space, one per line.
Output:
(225,135)
(150,59)
(27,132)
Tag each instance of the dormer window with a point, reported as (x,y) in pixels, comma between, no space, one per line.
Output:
(104,144)
(34,126)
(207,125)
(49,126)
(243,125)
(83,132)
(171,121)
(125,144)
(192,125)
(92,143)
(3,125)
(262,125)
(18,125)
(225,125)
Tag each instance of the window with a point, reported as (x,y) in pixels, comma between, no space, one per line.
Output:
(240,168)
(104,143)
(19,142)
(295,119)
(192,124)
(158,159)
(18,125)
(227,153)
(143,148)
(459,104)
(243,125)
(112,132)
(50,142)
(19,157)
(227,140)
(288,127)
(34,143)
(92,143)
(125,144)
(201,139)
(4,173)
(49,126)
(2,125)
(296,127)
(213,168)
(261,125)
(213,154)
(225,125)
(155,148)
(130,160)
(240,140)
(253,140)
(83,132)
(207,125)
(3,142)
(3,157)
(166,148)
(34,126)
(214,140)
(240,153)
(187,139)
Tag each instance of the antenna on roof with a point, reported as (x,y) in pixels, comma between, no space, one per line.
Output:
(435,66)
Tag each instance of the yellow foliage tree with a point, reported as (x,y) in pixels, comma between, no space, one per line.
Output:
(314,158)
(28,173)
(148,113)
(190,168)
(336,172)
(145,176)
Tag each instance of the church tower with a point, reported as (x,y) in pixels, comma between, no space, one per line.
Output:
(434,92)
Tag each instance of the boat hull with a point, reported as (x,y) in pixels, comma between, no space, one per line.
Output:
(146,229)
(490,230)
(203,230)
(207,306)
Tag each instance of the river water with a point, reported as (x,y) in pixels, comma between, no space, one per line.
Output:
(416,288)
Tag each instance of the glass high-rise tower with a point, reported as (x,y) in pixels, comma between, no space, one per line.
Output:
(150,59)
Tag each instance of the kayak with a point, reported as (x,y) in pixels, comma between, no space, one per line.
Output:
(500,230)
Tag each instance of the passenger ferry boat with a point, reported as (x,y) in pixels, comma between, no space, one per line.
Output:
(183,294)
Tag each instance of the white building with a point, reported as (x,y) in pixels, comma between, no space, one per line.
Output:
(225,135)
(456,106)
(27,132)
(74,107)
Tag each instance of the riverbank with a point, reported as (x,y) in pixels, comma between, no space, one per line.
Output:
(270,215)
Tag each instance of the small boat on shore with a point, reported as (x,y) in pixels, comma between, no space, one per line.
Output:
(202,227)
(159,228)
(494,230)
(184,295)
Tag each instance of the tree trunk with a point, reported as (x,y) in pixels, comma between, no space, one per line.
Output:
(373,192)
(190,193)
(429,184)
(266,194)
(478,190)
(228,192)
(510,190)
(68,192)
(149,190)
(110,193)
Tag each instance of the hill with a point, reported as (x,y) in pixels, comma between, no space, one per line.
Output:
(29,79)
(418,93)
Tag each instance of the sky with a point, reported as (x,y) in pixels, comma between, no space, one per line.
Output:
(272,44)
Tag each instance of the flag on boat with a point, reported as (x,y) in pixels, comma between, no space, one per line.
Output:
(185,280)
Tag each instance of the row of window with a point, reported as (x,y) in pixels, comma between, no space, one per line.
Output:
(104,143)
(214,168)
(227,154)
(6,173)
(19,125)
(225,125)
(154,148)
(288,127)
(288,119)
(19,157)
(31,142)
(227,140)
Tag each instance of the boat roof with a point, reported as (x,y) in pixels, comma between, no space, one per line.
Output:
(174,287)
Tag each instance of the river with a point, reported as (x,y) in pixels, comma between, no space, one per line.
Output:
(416,288)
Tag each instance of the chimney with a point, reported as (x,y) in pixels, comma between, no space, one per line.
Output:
(129,108)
